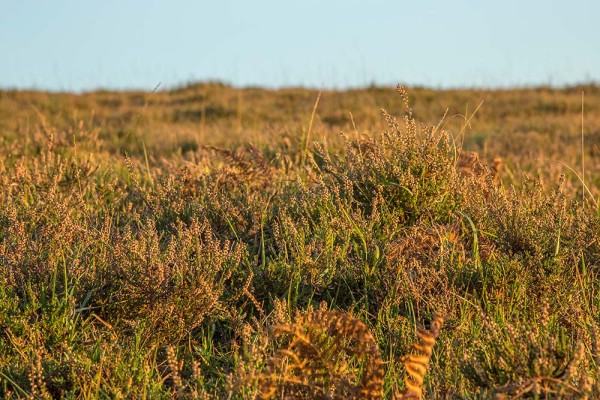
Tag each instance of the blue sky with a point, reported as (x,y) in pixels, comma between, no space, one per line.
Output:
(82,45)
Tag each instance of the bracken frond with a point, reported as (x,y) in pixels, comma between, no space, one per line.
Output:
(320,362)
(416,364)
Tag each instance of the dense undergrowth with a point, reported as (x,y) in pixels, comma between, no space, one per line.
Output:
(279,273)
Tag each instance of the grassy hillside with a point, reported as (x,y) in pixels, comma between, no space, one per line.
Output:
(213,242)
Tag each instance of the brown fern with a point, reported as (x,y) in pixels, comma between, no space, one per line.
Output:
(315,363)
(416,364)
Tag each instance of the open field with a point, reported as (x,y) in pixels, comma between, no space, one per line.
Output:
(213,242)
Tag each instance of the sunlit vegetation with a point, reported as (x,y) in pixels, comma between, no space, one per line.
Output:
(213,242)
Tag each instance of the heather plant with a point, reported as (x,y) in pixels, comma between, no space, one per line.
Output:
(536,224)
(537,359)
(410,170)
(171,290)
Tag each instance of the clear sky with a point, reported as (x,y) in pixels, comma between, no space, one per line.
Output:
(83,45)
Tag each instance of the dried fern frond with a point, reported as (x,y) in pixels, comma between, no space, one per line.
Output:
(321,360)
(416,364)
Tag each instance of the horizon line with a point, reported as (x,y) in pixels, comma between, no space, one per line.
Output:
(159,87)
